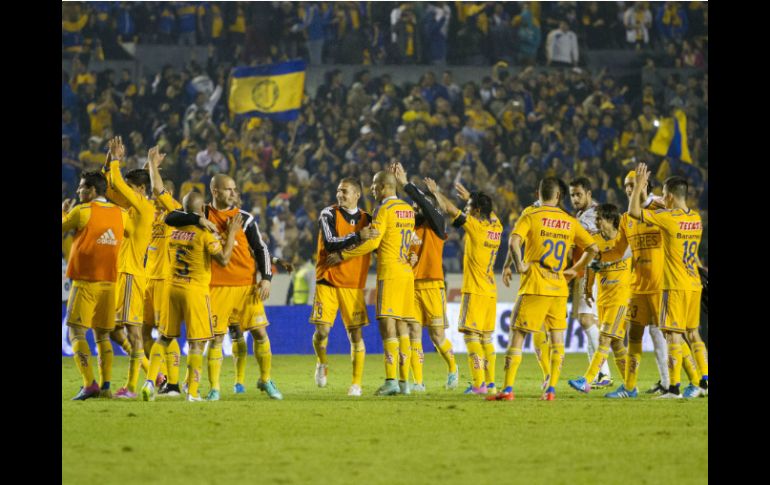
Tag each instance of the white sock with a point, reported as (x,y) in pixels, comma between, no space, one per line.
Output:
(661,354)
(592,341)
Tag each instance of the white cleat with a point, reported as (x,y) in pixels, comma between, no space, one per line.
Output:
(669,395)
(321,371)
(418,387)
(192,398)
(355,390)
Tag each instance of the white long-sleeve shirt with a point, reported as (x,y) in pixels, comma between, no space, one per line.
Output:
(562,46)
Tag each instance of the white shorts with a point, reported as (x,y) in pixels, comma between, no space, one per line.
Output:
(578,295)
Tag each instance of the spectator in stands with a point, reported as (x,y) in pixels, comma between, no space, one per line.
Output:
(638,21)
(528,36)
(562,47)
(187,22)
(436,32)
(671,22)
(408,42)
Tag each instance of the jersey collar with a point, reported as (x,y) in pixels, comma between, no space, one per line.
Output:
(392,197)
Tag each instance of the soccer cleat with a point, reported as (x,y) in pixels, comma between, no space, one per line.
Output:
(504,395)
(491,389)
(549,395)
(692,391)
(192,398)
(390,388)
(602,381)
(452,380)
(270,389)
(622,393)
(704,387)
(404,388)
(213,395)
(160,380)
(482,389)
(185,388)
(124,393)
(669,395)
(579,384)
(239,389)
(321,372)
(148,391)
(355,390)
(169,390)
(546,381)
(87,392)
(418,387)
(656,389)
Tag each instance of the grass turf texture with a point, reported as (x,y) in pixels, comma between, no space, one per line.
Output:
(323,436)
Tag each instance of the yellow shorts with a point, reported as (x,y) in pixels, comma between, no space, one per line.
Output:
(644,309)
(92,304)
(533,311)
(234,305)
(155,302)
(129,303)
(477,313)
(349,301)
(430,307)
(680,310)
(394,299)
(190,304)
(612,321)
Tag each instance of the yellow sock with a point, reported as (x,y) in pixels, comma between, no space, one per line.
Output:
(264,358)
(163,365)
(240,356)
(404,357)
(621,358)
(194,368)
(82,356)
(319,346)
(215,366)
(106,354)
(358,356)
(512,363)
(600,356)
(144,362)
(126,346)
(172,361)
(157,352)
(632,368)
(475,359)
(134,361)
(690,367)
(390,354)
(675,364)
(490,361)
(417,360)
(543,352)
(701,357)
(557,359)
(445,349)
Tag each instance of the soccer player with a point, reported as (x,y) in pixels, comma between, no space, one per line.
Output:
(394,221)
(479,301)
(614,291)
(547,232)
(430,295)
(93,269)
(236,297)
(580,195)
(681,229)
(131,194)
(191,250)
(341,287)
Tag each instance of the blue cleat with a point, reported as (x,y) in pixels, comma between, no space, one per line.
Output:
(452,380)
(270,389)
(482,389)
(390,388)
(692,391)
(239,389)
(87,392)
(580,384)
(622,393)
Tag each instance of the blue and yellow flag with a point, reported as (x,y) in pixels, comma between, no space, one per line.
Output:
(671,138)
(270,91)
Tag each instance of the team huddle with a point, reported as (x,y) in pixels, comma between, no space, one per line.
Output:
(140,263)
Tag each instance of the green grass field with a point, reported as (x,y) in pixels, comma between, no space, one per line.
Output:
(322,436)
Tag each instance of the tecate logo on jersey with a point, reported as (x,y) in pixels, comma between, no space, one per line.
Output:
(690,226)
(556,223)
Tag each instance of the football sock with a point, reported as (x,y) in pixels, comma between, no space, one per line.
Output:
(163,365)
(104,347)
(490,360)
(391,354)
(600,356)
(215,366)
(319,346)
(144,362)
(82,355)
(240,355)
(512,362)
(543,352)
(661,354)
(632,368)
(621,360)
(701,357)
(445,349)
(404,357)
(134,362)
(358,356)
(475,358)
(592,341)
(557,359)
(675,364)
(690,367)
(172,360)
(264,358)
(194,367)
(156,356)
(417,360)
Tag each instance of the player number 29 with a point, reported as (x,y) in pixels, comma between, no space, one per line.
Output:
(558,250)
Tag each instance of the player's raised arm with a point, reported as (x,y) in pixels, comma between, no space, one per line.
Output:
(444,203)
(118,153)
(431,214)
(634,202)
(233,226)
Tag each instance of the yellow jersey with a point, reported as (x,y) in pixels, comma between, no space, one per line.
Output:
(189,250)
(394,219)
(646,243)
(142,212)
(615,278)
(158,266)
(482,241)
(681,238)
(548,232)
